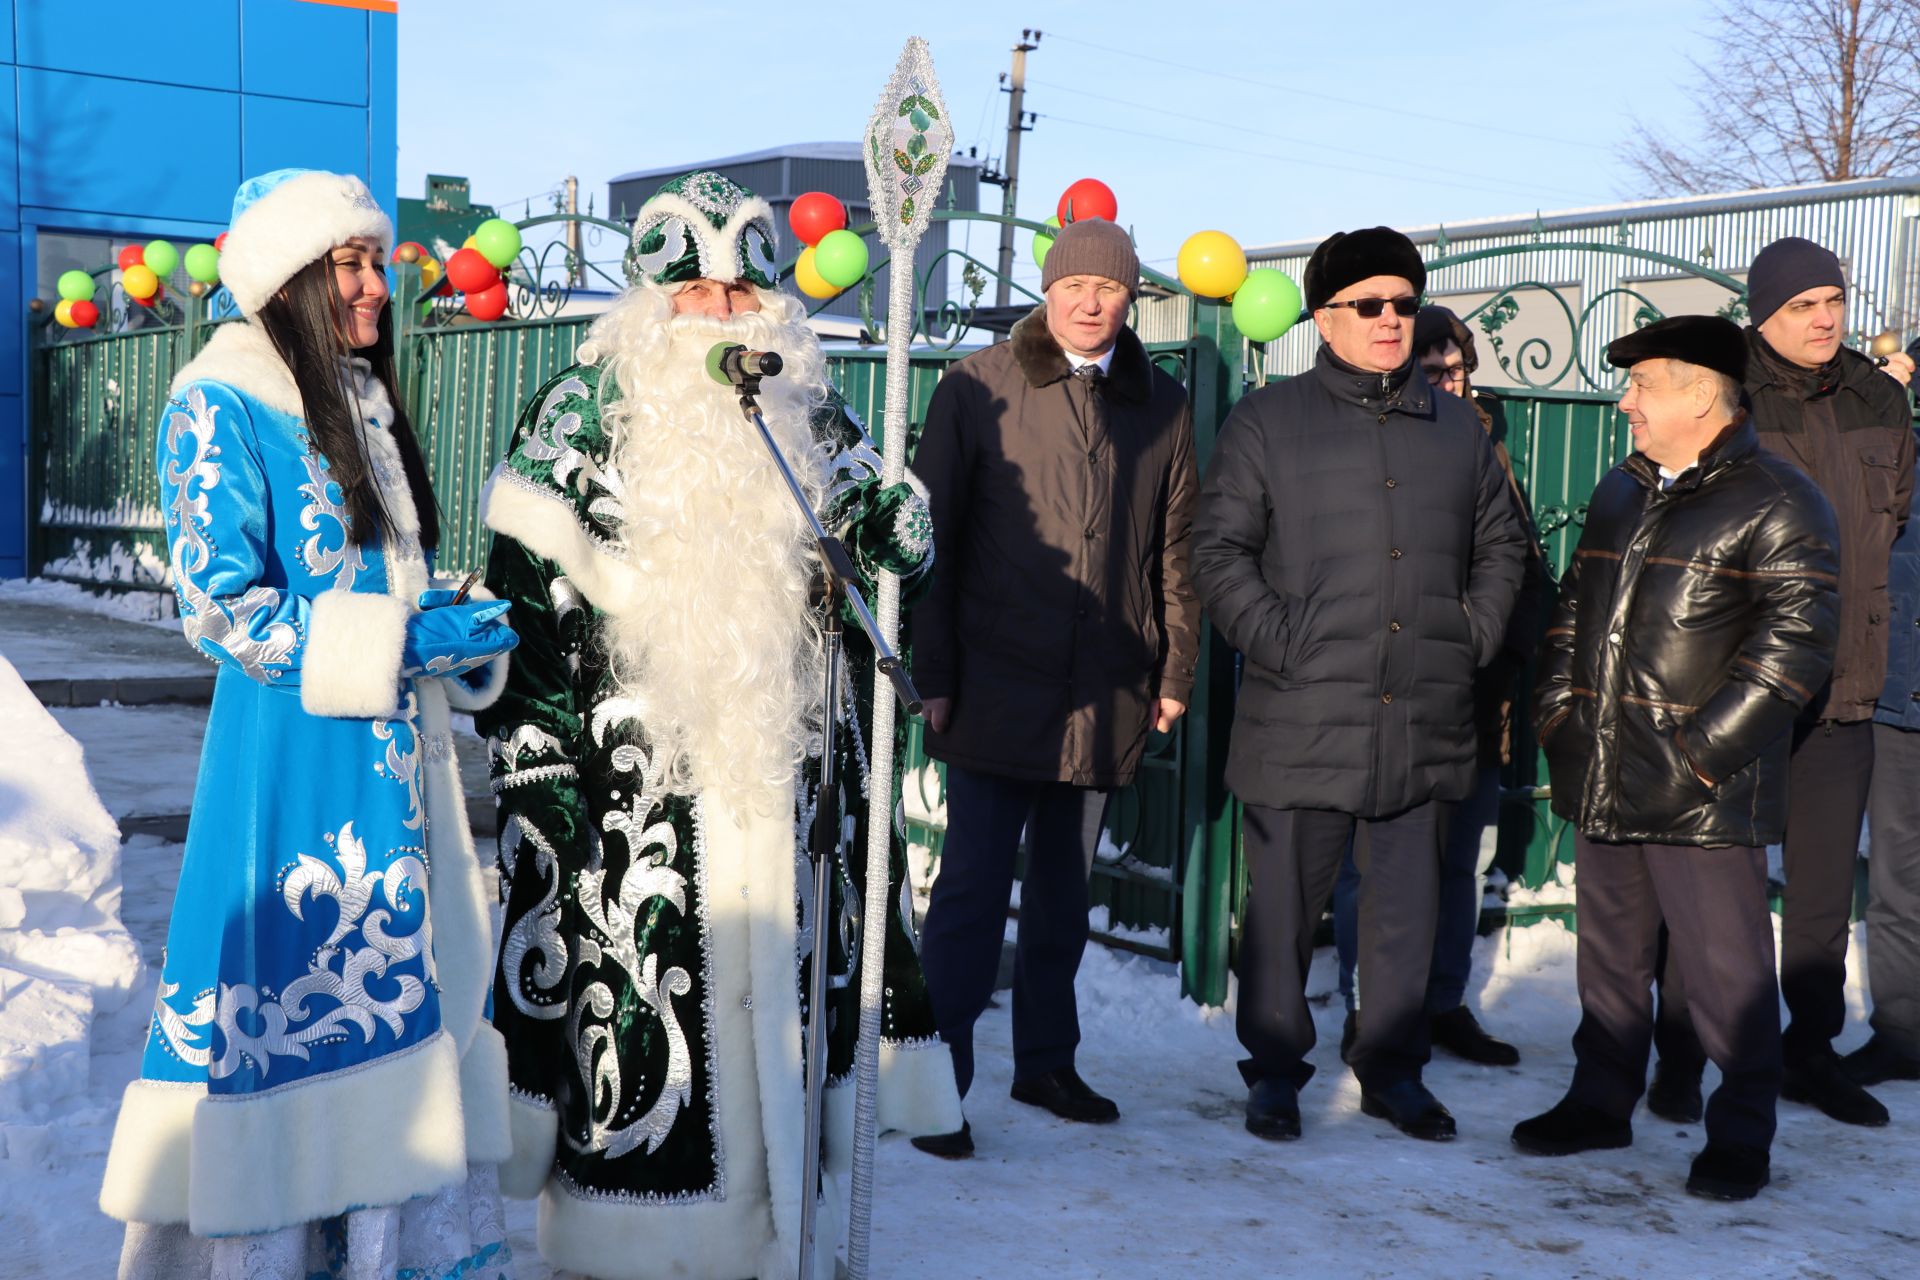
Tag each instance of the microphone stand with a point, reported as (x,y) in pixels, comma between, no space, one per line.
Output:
(838,580)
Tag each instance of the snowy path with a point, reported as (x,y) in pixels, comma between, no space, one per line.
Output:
(1177,1188)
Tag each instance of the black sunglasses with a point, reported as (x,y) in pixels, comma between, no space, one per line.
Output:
(1370,308)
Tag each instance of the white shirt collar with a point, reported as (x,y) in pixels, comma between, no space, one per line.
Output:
(1105,360)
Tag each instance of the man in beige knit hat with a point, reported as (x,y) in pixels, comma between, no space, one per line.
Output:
(1061,628)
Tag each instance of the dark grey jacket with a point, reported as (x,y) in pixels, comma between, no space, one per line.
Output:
(1357,542)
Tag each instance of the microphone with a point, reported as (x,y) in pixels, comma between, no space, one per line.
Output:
(733,364)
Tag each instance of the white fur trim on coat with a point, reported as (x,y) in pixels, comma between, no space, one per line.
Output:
(483,1098)
(351,665)
(463,947)
(379,1136)
(535,1126)
(293,225)
(545,524)
(241,355)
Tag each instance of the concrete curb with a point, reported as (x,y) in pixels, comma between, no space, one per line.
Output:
(129,691)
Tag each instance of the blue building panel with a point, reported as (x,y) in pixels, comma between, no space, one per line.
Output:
(6,31)
(151,40)
(164,151)
(13,364)
(301,50)
(9,150)
(279,133)
(13,487)
(383,113)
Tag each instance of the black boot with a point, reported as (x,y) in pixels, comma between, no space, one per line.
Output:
(957,1145)
(1819,1082)
(1728,1173)
(1674,1094)
(1408,1107)
(1064,1093)
(1348,1031)
(1273,1110)
(1460,1034)
(1877,1062)
(1570,1128)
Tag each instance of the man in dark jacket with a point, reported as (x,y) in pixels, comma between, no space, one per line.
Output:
(1061,627)
(1831,413)
(1696,621)
(1356,542)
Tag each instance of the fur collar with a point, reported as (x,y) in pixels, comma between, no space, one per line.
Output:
(1129,377)
(241,355)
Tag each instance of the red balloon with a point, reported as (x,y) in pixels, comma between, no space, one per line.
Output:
(220,242)
(471,273)
(84,314)
(1088,198)
(159,292)
(813,215)
(132,256)
(489,303)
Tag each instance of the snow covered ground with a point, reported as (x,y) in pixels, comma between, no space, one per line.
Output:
(1176,1189)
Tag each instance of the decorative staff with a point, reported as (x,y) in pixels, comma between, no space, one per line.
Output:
(908,143)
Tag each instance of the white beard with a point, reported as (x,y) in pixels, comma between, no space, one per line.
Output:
(721,647)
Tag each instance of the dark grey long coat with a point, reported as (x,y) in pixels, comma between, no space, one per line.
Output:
(1061,604)
(1356,541)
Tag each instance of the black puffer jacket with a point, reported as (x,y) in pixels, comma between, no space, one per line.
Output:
(1693,625)
(1357,541)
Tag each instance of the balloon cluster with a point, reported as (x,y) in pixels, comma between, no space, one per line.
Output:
(834,258)
(76,308)
(1087,198)
(474,269)
(1265,302)
(431,272)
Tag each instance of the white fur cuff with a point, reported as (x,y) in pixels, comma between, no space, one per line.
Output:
(351,667)
(480,688)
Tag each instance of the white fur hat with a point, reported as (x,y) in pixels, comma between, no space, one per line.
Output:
(286,219)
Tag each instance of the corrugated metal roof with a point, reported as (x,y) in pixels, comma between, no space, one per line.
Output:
(792,151)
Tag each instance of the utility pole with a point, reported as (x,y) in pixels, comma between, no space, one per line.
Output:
(1018,122)
(575,274)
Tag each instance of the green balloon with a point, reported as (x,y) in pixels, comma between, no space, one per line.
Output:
(1266,305)
(498,241)
(203,263)
(1041,244)
(162,257)
(76,285)
(840,258)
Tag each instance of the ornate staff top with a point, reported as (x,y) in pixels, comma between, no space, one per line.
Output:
(909,141)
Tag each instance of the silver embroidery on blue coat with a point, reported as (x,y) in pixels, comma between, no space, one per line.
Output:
(320,559)
(241,628)
(402,764)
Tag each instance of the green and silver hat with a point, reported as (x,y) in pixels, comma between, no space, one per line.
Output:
(699,226)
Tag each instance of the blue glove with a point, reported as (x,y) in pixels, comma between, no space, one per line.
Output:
(446,639)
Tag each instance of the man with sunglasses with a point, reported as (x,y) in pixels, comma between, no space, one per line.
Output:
(1356,542)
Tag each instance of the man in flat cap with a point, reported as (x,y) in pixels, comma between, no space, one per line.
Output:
(1847,426)
(1696,622)
(1061,627)
(1356,541)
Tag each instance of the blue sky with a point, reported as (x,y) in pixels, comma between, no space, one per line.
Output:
(1272,122)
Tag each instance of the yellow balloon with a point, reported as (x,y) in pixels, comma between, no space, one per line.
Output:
(1212,264)
(139,281)
(429,273)
(471,242)
(808,277)
(63,314)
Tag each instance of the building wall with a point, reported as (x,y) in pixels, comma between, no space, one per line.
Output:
(127,120)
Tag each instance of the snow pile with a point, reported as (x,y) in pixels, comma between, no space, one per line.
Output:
(156,608)
(63,953)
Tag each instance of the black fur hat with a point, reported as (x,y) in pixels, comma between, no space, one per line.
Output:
(1348,257)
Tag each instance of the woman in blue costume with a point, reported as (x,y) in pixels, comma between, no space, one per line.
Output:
(321,1094)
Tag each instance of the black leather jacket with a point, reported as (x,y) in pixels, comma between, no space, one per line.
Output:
(1693,625)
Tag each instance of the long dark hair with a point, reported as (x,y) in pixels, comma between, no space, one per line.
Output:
(305,321)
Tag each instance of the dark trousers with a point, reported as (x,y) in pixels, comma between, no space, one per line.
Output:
(967,914)
(1893,876)
(1827,784)
(1462,886)
(1292,857)
(1715,904)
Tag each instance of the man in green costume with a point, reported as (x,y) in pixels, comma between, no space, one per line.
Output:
(654,758)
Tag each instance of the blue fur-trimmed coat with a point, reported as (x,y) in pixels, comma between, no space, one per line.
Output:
(318,1043)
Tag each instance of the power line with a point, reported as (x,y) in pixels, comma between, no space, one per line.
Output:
(1217,74)
(1483,179)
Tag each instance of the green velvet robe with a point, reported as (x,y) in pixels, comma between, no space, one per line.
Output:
(654,957)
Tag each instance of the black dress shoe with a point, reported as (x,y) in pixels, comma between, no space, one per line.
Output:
(1065,1094)
(1348,1031)
(1728,1173)
(1408,1106)
(957,1145)
(1570,1128)
(1674,1094)
(1877,1062)
(1460,1034)
(1273,1110)
(1819,1082)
